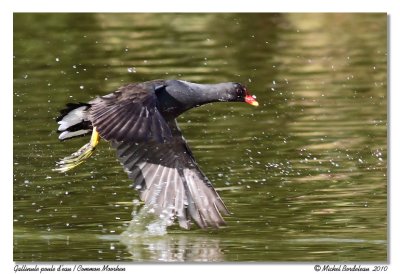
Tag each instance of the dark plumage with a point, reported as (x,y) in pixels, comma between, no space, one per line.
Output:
(139,121)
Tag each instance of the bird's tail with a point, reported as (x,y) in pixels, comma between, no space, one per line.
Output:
(74,122)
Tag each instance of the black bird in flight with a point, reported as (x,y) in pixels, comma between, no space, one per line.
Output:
(139,120)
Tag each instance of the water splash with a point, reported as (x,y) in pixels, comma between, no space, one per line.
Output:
(146,239)
(145,223)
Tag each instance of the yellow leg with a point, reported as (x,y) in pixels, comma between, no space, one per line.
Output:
(94,140)
(78,157)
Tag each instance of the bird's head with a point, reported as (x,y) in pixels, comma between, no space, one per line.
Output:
(243,95)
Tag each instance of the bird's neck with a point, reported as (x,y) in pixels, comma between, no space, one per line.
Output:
(208,93)
(180,96)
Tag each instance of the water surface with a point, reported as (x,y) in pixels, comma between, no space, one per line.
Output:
(304,174)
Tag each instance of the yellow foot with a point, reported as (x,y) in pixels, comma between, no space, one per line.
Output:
(78,157)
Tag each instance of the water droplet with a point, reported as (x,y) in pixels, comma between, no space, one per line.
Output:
(132,70)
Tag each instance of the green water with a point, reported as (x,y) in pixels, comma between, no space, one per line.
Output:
(304,174)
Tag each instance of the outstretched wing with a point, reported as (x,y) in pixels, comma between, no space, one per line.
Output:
(129,114)
(170,182)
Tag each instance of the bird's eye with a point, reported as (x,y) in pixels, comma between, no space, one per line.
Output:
(240,90)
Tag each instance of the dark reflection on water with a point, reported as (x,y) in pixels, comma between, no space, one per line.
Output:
(304,174)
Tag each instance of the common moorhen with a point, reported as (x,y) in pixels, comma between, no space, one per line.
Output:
(139,121)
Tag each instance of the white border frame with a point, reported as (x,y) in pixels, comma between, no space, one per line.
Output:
(8,7)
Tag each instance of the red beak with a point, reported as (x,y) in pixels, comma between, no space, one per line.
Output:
(250,100)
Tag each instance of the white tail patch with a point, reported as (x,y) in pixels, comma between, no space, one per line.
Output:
(74,117)
(68,134)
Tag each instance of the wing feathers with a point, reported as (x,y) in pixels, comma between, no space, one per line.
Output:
(156,157)
(170,182)
(123,123)
(130,114)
